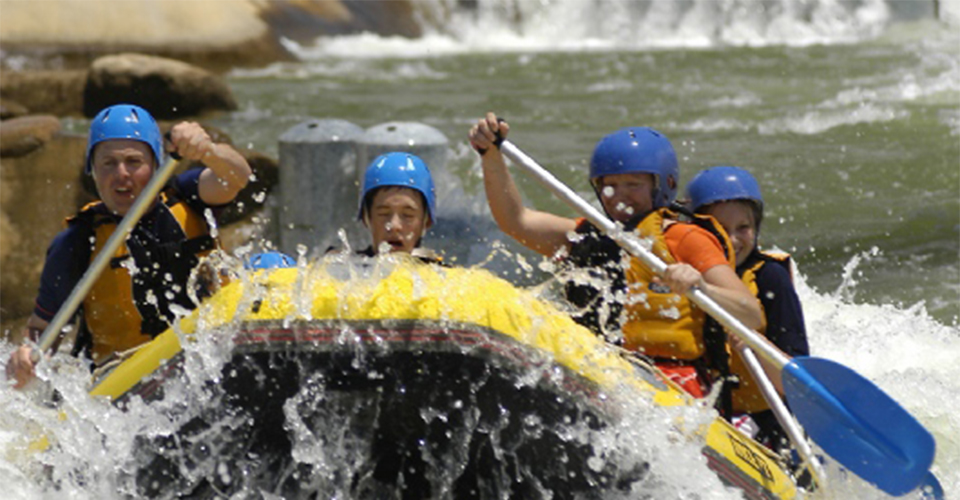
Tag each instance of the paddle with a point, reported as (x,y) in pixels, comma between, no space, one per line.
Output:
(146,199)
(780,411)
(855,422)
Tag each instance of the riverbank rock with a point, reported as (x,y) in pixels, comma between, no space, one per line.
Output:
(12,109)
(220,35)
(20,136)
(266,173)
(71,33)
(37,192)
(167,88)
(55,92)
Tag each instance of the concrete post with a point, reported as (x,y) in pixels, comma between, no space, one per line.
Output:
(318,183)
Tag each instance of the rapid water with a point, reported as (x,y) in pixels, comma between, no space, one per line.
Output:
(849,120)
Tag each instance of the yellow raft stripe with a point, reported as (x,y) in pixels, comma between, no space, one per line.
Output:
(755,461)
(409,291)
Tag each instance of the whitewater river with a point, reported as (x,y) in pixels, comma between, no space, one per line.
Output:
(850,122)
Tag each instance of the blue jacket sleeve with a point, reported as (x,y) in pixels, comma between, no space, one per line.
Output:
(785,326)
(187,185)
(67,259)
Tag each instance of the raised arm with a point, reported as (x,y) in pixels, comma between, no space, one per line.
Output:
(542,232)
(226,172)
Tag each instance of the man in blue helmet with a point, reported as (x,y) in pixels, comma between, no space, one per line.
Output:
(732,196)
(133,300)
(398,204)
(634,172)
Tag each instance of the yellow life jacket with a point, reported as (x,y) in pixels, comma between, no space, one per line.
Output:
(130,302)
(660,323)
(747,398)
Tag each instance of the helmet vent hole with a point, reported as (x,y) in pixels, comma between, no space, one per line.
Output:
(392,128)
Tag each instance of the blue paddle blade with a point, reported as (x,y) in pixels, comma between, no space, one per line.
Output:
(930,488)
(858,425)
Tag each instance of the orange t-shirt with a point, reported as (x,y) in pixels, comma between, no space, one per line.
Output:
(694,245)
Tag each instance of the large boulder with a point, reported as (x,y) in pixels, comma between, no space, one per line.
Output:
(37,192)
(165,87)
(20,136)
(218,34)
(56,92)
(266,175)
(12,109)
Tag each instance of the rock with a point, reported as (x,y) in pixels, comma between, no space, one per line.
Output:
(20,136)
(55,92)
(219,34)
(305,20)
(12,109)
(250,230)
(216,134)
(167,88)
(266,172)
(37,192)
(9,237)
(12,328)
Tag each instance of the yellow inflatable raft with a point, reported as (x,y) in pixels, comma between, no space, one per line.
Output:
(421,381)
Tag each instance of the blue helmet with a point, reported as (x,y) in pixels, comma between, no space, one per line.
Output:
(124,121)
(270,260)
(402,170)
(717,184)
(638,150)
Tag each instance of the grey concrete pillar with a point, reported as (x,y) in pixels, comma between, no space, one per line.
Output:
(318,183)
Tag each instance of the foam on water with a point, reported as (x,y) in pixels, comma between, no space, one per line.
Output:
(505,25)
(906,353)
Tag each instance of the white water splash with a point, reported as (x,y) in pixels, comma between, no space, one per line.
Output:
(451,27)
(904,351)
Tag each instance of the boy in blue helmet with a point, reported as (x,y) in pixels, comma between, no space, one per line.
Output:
(732,196)
(635,174)
(397,204)
(132,300)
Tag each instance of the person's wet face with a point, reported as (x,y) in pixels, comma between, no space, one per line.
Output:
(739,221)
(397,219)
(625,196)
(121,169)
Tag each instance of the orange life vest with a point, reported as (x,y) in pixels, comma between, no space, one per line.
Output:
(130,302)
(660,323)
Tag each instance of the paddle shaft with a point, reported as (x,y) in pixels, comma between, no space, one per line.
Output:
(144,201)
(633,245)
(783,415)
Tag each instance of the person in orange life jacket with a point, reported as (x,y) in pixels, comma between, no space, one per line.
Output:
(732,196)
(634,172)
(398,205)
(130,302)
